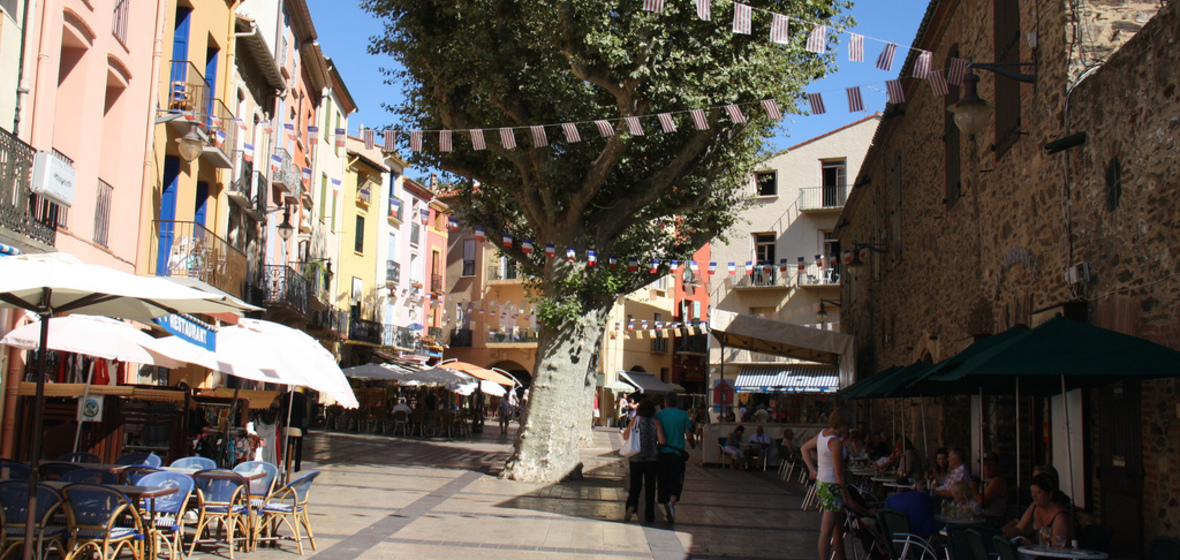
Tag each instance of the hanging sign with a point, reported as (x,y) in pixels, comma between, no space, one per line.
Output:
(90,408)
(190,330)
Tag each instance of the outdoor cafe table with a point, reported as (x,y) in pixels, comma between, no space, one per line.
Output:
(100,466)
(1067,553)
(252,475)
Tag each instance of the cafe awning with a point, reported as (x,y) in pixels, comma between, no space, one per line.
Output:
(778,338)
(788,378)
(645,382)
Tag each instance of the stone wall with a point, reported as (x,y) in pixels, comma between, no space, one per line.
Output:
(952,271)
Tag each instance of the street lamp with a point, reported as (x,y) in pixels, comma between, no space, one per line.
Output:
(821,314)
(973,113)
(191,144)
(285,228)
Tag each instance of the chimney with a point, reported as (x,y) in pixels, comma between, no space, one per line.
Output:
(433,181)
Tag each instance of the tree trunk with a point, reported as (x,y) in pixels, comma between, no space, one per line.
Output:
(558,419)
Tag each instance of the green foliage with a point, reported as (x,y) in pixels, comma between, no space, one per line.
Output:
(486,64)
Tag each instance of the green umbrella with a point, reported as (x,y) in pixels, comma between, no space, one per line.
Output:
(856,390)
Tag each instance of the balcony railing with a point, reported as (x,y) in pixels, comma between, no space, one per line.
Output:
(393,272)
(284,287)
(18,205)
(512,336)
(436,284)
(223,133)
(402,337)
(364,331)
(694,344)
(287,177)
(332,321)
(816,276)
(434,333)
(188,249)
(460,338)
(319,282)
(765,276)
(502,273)
(241,190)
(828,197)
(188,90)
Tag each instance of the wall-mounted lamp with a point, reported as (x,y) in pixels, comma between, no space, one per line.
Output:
(860,253)
(972,113)
(821,313)
(285,228)
(191,144)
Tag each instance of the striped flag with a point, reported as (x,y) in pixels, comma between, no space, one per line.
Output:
(306,175)
(855,102)
(507,138)
(341,136)
(653,5)
(444,140)
(452,224)
(550,250)
(958,69)
(741,18)
(817,103)
(819,262)
(526,246)
(506,240)
(416,140)
(692,265)
(370,138)
(266,127)
(698,119)
(675,265)
(654,267)
(477,139)
(817,41)
(712,267)
(735,113)
(856,48)
(241,125)
(248,151)
(704,10)
(605,129)
(480,233)
(538,136)
(632,264)
(771,108)
(613,260)
(885,60)
(802,265)
(894,91)
(313,134)
(782,265)
(390,138)
(570,254)
(733,269)
(666,122)
(290,130)
(749,267)
(571,132)
(633,126)
(219,137)
(779,27)
(922,65)
(275,163)
(592,260)
(335,187)
(937,83)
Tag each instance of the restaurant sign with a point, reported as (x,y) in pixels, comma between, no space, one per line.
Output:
(189,329)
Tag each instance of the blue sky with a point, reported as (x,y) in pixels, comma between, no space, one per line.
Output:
(344,32)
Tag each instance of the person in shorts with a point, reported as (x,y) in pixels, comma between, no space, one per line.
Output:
(824,456)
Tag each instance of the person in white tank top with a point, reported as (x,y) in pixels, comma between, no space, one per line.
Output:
(824,455)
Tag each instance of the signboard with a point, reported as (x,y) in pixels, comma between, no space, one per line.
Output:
(53,178)
(190,330)
(90,408)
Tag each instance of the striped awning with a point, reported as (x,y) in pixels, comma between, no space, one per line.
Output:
(788,378)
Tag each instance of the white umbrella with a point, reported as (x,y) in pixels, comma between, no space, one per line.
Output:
(101,337)
(374,371)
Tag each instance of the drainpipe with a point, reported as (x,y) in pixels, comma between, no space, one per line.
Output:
(20,74)
(149,151)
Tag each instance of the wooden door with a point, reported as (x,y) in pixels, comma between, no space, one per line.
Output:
(1121,467)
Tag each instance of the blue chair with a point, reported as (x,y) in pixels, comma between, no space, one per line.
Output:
(260,488)
(134,474)
(288,505)
(14,470)
(199,463)
(90,476)
(14,499)
(224,497)
(103,520)
(80,457)
(166,522)
(149,459)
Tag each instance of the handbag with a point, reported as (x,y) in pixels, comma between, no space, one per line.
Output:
(631,445)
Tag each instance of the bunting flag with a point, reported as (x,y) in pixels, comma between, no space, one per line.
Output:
(370,137)
(452,224)
(817,41)
(266,127)
(885,60)
(782,266)
(653,5)
(550,250)
(605,129)
(856,48)
(958,69)
(733,269)
(306,176)
(248,151)
(735,113)
(290,130)
(539,137)
(416,141)
(938,83)
(633,126)
(591,258)
(894,91)
(819,262)
(771,109)
(666,122)
(335,187)
(654,266)
(313,134)
(741,18)
(477,139)
(341,134)
(444,141)
(241,125)
(613,261)
(864,253)
(802,265)
(779,27)
(699,119)
(749,267)
(480,233)
(570,254)
(218,137)
(390,138)
(847,256)
(275,163)
(816,101)
(675,266)
(506,240)
(855,102)
(705,10)
(922,65)
(526,246)
(571,132)
(692,265)
(507,138)
(425,216)
(632,264)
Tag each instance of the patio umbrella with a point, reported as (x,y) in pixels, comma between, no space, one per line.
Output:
(52,283)
(373,371)
(100,337)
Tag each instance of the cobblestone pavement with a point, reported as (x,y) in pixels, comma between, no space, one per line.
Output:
(383,497)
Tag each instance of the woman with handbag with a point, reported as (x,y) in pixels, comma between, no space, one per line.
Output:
(642,439)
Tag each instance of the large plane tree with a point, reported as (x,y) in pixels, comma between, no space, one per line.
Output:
(491,64)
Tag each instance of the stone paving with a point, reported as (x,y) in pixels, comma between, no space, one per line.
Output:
(383,497)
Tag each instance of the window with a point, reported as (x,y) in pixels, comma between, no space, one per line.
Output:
(468,257)
(833,174)
(1007,42)
(764,248)
(950,137)
(102,213)
(659,344)
(767,183)
(323,196)
(359,238)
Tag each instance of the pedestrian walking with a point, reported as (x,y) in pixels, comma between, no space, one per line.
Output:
(505,410)
(645,464)
(824,456)
(677,432)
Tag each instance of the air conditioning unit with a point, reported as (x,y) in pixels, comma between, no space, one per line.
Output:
(1078,274)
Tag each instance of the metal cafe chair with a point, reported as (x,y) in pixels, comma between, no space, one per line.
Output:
(14,500)
(288,505)
(14,470)
(103,520)
(194,462)
(149,459)
(224,496)
(165,515)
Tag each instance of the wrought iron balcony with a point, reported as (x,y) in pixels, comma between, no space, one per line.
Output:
(816,276)
(319,281)
(188,249)
(18,205)
(436,284)
(287,177)
(506,273)
(827,197)
(364,331)
(694,344)
(241,190)
(461,338)
(393,272)
(283,287)
(223,133)
(331,322)
(765,276)
(512,336)
(188,90)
